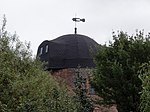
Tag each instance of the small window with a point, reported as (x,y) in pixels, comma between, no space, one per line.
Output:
(41,50)
(46,50)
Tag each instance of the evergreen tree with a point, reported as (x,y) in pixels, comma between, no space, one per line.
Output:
(116,79)
(84,101)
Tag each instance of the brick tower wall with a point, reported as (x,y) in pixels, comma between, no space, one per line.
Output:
(67,77)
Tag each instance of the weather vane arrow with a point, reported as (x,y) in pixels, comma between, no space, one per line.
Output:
(77,20)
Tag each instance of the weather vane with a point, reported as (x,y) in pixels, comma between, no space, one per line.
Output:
(77,20)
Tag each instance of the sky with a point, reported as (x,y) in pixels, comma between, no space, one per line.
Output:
(37,20)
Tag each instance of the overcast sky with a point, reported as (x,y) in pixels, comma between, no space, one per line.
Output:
(39,20)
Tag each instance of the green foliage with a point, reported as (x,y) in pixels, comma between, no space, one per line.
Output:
(24,86)
(116,79)
(145,96)
(84,101)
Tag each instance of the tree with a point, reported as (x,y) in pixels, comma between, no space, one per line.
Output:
(116,79)
(84,101)
(145,96)
(24,86)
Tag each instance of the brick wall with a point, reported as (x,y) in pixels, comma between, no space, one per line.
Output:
(67,76)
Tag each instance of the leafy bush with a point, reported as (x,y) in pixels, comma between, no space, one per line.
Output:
(145,96)
(24,86)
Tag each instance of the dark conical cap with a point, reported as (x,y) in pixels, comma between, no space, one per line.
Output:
(71,51)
